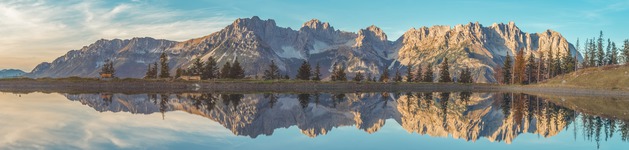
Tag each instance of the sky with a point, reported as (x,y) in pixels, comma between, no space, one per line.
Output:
(35,31)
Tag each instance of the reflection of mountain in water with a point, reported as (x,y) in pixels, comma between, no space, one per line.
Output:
(497,117)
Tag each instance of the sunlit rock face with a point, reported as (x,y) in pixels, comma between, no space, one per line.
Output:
(497,117)
(255,42)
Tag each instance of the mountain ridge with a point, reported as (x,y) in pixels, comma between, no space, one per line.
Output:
(256,42)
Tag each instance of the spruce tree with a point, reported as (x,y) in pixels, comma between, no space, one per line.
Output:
(506,68)
(225,71)
(359,77)
(429,75)
(608,56)
(384,77)
(418,74)
(178,73)
(614,54)
(409,73)
(444,73)
(557,68)
(600,53)
(593,53)
(466,76)
(368,78)
(316,76)
(550,64)
(149,73)
(625,51)
(209,69)
(541,68)
(340,74)
(197,67)
(165,69)
(398,75)
(333,74)
(154,70)
(568,63)
(531,68)
(273,72)
(236,71)
(304,71)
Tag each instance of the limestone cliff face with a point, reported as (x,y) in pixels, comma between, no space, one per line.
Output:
(255,43)
(472,45)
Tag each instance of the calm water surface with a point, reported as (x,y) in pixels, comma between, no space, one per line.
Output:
(435,120)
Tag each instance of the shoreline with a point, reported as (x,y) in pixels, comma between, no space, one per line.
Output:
(283,86)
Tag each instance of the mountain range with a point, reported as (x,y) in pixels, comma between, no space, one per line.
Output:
(255,43)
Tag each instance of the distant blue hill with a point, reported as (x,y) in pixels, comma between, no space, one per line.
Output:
(11,73)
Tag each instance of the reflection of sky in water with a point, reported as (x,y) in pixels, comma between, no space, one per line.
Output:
(51,121)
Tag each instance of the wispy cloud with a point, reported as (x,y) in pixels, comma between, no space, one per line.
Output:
(43,30)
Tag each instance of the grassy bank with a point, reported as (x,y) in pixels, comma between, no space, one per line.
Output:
(605,78)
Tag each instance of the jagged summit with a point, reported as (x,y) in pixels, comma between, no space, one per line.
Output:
(256,42)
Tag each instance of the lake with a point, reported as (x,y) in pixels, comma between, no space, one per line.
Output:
(410,120)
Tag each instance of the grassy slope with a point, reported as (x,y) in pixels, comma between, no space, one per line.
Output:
(609,78)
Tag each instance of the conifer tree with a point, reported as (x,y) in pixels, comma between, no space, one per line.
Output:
(531,68)
(520,64)
(225,71)
(418,74)
(317,73)
(568,64)
(444,73)
(593,53)
(154,71)
(600,53)
(384,77)
(210,69)
(236,71)
(197,67)
(340,73)
(178,73)
(108,68)
(165,69)
(614,54)
(149,73)
(409,73)
(304,71)
(557,64)
(273,72)
(466,76)
(368,78)
(506,69)
(550,63)
(398,75)
(359,77)
(286,77)
(429,75)
(609,56)
(541,68)
(625,51)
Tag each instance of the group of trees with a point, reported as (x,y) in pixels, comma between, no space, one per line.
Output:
(108,68)
(210,70)
(526,69)
(597,53)
(152,71)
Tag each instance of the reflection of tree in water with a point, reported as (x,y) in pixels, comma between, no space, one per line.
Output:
(597,129)
(107,98)
(234,99)
(272,99)
(444,99)
(163,104)
(304,99)
(337,99)
(201,101)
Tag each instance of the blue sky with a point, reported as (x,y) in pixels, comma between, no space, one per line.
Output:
(33,31)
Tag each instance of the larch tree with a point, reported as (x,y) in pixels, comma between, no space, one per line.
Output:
(519,68)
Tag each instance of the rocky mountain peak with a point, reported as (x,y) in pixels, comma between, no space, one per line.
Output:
(373,32)
(315,24)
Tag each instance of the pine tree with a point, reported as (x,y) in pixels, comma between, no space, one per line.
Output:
(614,54)
(154,70)
(272,73)
(609,56)
(359,77)
(209,69)
(466,76)
(286,77)
(531,68)
(541,68)
(550,63)
(600,53)
(409,73)
(340,74)
(225,71)
(384,77)
(178,73)
(236,71)
(165,69)
(557,64)
(506,69)
(197,67)
(444,73)
(304,71)
(625,51)
(568,63)
(368,78)
(108,68)
(592,47)
(418,74)
(429,75)
(398,75)
(317,73)
(149,73)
